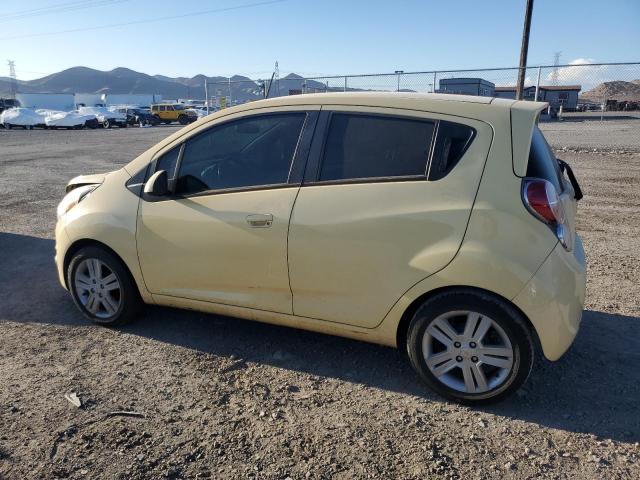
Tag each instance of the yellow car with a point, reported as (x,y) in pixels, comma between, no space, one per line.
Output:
(438,224)
(173,112)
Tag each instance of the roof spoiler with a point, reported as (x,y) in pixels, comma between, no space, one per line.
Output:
(524,116)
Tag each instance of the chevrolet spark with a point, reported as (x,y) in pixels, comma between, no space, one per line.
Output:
(441,225)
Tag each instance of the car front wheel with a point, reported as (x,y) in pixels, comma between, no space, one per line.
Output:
(102,288)
(470,347)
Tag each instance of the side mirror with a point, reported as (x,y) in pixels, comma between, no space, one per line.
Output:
(157,185)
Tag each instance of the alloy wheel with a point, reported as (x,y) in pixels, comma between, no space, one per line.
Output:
(467,351)
(98,288)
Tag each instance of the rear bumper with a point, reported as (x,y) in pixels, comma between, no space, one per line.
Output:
(554,298)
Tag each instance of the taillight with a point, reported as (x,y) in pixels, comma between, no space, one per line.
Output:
(542,200)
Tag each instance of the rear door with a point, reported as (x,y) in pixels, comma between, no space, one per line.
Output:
(385,202)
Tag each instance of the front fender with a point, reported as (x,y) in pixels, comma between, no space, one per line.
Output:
(109,216)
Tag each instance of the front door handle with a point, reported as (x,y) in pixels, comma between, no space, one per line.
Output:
(260,220)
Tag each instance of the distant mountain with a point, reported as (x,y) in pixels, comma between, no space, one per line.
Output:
(124,80)
(616,90)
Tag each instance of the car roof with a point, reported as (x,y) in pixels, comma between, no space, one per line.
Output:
(437,102)
(378,99)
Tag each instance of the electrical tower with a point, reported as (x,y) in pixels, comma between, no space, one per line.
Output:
(554,74)
(12,76)
(276,76)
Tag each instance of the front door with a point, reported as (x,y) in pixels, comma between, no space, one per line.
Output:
(221,236)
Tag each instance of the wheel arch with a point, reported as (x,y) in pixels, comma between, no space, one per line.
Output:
(403,325)
(89,242)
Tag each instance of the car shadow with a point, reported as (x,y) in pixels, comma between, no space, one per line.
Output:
(593,389)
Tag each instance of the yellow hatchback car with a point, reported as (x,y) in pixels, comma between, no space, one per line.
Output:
(442,225)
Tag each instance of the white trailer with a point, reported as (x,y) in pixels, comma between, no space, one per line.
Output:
(137,99)
(49,101)
(89,100)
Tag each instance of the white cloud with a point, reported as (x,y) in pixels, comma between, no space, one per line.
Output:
(584,71)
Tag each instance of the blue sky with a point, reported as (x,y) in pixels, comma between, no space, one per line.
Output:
(310,38)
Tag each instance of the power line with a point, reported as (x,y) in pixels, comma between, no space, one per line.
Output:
(63,7)
(148,20)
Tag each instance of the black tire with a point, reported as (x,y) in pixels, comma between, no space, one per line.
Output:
(106,124)
(129,298)
(183,119)
(502,313)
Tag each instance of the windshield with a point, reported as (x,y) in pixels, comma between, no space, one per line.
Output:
(178,107)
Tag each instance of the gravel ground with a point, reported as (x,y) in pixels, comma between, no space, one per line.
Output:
(586,132)
(217,397)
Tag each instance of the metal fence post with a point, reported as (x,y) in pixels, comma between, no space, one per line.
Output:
(537,85)
(345,83)
(433,89)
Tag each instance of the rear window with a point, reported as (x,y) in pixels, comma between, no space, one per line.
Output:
(542,161)
(375,146)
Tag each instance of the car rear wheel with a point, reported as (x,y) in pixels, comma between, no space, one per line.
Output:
(106,124)
(470,347)
(102,287)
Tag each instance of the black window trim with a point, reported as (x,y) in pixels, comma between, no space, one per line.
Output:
(314,165)
(296,169)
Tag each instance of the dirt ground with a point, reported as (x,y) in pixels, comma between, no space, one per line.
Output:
(217,397)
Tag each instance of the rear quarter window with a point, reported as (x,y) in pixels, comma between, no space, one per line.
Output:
(452,141)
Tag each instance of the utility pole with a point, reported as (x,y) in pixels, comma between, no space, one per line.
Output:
(524,49)
(276,71)
(554,74)
(12,76)
(206,94)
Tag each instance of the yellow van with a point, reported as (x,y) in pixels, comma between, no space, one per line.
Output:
(442,225)
(173,112)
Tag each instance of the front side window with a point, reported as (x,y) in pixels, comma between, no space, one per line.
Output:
(168,162)
(248,152)
(375,146)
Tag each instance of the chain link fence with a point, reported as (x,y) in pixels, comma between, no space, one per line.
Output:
(575,87)
(590,105)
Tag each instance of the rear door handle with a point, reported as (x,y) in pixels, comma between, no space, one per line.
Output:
(260,220)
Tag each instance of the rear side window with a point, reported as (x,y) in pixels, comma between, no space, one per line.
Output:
(453,140)
(542,161)
(363,146)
